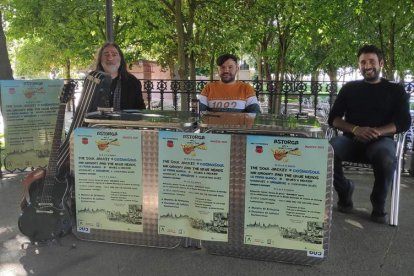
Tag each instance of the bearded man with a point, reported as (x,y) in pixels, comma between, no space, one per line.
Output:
(228,95)
(126,89)
(369,112)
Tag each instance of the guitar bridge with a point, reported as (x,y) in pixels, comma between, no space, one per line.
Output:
(45,204)
(44,208)
(44,211)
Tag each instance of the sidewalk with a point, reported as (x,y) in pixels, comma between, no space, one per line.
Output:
(357,247)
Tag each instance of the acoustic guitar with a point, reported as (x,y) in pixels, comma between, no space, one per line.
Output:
(45,214)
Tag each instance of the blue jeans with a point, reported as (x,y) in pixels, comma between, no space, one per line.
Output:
(379,153)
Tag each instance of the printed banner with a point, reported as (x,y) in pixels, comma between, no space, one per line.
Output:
(108,177)
(194,173)
(285,192)
(29,110)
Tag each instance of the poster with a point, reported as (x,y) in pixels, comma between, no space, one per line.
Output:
(285,192)
(29,110)
(108,177)
(194,173)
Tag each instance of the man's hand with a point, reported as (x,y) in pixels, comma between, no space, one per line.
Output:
(366,134)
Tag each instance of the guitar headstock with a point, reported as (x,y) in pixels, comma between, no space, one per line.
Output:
(67,91)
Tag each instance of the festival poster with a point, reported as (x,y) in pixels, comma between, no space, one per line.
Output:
(29,109)
(285,192)
(108,177)
(194,173)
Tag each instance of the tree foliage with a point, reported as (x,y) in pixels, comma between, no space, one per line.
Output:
(282,38)
(69,31)
(389,25)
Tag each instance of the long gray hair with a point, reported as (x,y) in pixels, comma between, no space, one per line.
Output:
(122,67)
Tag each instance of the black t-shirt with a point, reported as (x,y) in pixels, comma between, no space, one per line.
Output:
(374,105)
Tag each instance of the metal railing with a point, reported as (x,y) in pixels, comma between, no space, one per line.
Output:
(311,97)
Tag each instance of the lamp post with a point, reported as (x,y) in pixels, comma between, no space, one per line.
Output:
(109,26)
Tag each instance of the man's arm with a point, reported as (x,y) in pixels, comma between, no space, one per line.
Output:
(341,124)
(203,99)
(252,105)
(202,103)
(387,130)
(140,104)
(131,93)
(364,134)
(338,110)
(402,119)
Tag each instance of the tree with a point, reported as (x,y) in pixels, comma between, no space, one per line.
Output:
(187,34)
(296,37)
(6,72)
(278,23)
(66,32)
(387,24)
(327,41)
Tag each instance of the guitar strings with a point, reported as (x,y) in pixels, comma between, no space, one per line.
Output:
(48,185)
(87,95)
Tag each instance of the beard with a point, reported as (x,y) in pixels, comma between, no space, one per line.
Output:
(227,77)
(110,68)
(372,75)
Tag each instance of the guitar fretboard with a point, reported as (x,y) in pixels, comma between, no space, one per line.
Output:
(51,172)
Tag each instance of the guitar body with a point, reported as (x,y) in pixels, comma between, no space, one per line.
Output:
(43,222)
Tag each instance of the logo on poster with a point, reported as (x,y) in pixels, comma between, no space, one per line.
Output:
(259,149)
(12,90)
(170,143)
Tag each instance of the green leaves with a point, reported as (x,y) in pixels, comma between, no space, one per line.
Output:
(295,36)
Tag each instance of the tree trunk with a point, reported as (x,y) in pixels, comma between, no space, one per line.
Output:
(6,72)
(259,65)
(332,73)
(401,76)
(280,75)
(191,59)
(67,69)
(391,52)
(333,78)
(67,77)
(314,76)
(266,66)
(212,67)
(388,48)
(171,67)
(182,72)
(180,39)
(192,67)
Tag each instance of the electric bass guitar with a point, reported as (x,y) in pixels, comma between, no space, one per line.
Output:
(45,214)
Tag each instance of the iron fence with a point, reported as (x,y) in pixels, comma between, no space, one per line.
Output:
(311,97)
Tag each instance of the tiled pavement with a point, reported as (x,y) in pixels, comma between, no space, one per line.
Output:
(357,246)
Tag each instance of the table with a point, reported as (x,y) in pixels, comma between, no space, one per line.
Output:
(148,119)
(296,138)
(230,122)
(257,133)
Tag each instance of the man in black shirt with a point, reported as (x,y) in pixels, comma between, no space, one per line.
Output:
(369,112)
(126,90)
